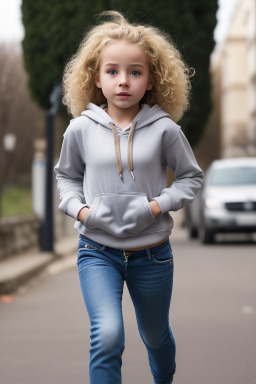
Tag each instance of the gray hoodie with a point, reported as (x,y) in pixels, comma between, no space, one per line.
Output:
(116,173)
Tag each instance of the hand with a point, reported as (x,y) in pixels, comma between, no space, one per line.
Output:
(82,215)
(155,208)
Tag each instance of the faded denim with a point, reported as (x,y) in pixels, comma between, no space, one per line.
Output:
(149,278)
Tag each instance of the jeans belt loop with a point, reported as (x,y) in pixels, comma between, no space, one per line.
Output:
(148,251)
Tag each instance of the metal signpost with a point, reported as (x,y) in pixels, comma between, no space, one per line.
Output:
(47,231)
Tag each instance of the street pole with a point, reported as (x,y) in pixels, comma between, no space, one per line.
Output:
(8,145)
(47,228)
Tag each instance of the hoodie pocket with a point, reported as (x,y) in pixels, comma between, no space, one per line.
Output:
(120,214)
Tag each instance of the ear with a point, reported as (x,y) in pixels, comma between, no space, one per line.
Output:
(97,80)
(150,83)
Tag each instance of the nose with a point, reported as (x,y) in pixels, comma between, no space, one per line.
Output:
(123,82)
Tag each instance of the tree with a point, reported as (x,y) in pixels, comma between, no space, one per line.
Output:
(18,116)
(53,30)
(190,24)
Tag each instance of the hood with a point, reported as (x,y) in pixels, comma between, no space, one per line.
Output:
(146,116)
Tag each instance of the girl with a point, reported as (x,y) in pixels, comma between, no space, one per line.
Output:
(126,86)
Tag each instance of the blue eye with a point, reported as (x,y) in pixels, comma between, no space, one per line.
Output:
(112,72)
(135,73)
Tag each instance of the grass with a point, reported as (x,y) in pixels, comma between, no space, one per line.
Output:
(16,201)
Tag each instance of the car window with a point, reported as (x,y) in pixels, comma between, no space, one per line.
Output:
(233,176)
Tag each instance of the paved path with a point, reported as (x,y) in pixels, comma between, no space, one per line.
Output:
(44,332)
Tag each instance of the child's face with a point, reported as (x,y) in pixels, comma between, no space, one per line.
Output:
(123,75)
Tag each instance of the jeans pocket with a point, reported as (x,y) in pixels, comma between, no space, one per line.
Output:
(85,248)
(84,243)
(162,254)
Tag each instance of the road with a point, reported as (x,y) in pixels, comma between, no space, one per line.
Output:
(44,331)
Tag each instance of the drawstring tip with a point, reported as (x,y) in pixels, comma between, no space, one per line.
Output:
(133,175)
(121,176)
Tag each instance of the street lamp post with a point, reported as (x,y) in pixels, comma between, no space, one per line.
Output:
(9,144)
(47,232)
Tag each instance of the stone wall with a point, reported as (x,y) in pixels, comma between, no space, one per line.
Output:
(18,233)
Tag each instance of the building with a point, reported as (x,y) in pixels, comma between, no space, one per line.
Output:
(235,60)
(251,43)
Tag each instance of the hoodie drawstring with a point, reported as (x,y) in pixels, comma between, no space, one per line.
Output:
(130,162)
(117,150)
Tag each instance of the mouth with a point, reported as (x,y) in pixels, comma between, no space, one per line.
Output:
(123,94)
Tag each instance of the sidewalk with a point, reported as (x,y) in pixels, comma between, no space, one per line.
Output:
(16,270)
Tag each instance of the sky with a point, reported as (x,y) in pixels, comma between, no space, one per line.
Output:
(224,14)
(11,28)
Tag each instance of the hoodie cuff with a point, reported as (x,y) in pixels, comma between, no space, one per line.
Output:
(73,207)
(164,202)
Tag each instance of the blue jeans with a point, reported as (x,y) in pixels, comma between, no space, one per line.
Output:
(149,278)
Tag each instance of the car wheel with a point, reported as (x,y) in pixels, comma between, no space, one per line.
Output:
(206,235)
(193,232)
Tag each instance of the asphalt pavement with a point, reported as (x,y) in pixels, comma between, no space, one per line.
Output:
(44,327)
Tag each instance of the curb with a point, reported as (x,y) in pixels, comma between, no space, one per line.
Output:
(20,268)
(12,276)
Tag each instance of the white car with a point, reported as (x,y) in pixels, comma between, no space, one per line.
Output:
(227,201)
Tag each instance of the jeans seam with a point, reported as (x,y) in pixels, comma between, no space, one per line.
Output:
(166,261)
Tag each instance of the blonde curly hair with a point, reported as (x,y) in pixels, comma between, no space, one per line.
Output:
(170,74)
